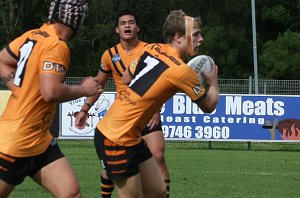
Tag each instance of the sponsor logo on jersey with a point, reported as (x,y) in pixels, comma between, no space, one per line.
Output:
(49,66)
(116,58)
(134,62)
(102,66)
(197,89)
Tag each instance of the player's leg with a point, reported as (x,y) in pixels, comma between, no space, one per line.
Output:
(12,172)
(156,144)
(59,178)
(129,187)
(122,165)
(148,183)
(55,173)
(114,159)
(107,186)
(152,180)
(5,189)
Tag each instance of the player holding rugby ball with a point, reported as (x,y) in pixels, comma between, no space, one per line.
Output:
(155,77)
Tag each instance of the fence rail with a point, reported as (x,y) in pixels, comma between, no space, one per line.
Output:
(227,86)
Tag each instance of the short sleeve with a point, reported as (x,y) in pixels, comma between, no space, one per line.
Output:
(54,57)
(106,63)
(189,83)
(14,46)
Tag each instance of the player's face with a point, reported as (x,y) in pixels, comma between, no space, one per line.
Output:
(197,39)
(193,36)
(127,28)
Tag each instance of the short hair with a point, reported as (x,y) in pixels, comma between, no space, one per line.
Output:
(68,12)
(175,23)
(126,12)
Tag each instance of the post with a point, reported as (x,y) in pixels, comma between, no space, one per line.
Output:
(250,84)
(254,46)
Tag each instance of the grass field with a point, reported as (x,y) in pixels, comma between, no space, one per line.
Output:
(225,170)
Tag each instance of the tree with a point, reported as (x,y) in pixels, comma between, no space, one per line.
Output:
(227,30)
(281,57)
(18,16)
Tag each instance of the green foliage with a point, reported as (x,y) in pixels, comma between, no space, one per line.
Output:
(280,58)
(86,49)
(227,29)
(277,13)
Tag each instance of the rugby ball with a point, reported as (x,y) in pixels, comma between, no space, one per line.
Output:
(201,63)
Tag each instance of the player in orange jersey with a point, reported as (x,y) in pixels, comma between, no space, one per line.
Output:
(114,62)
(34,67)
(153,78)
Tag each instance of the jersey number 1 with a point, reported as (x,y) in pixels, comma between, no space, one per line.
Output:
(25,52)
(147,72)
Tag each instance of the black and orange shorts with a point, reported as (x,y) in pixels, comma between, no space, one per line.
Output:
(147,130)
(13,170)
(120,161)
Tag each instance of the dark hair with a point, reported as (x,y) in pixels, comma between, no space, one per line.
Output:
(126,12)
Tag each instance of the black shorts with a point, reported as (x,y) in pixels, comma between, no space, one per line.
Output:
(120,161)
(13,170)
(147,130)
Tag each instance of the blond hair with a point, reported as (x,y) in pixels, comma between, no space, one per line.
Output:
(175,23)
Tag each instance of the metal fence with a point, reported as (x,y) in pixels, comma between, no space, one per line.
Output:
(267,87)
(228,86)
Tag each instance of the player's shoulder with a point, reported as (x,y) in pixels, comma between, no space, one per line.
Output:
(151,46)
(159,48)
(165,53)
(108,53)
(46,34)
(112,50)
(105,53)
(144,44)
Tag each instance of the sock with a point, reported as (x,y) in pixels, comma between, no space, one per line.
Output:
(168,187)
(107,187)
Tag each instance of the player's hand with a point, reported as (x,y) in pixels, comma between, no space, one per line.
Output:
(211,79)
(80,120)
(155,120)
(91,86)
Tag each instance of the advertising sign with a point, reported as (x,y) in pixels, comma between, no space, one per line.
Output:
(4,96)
(237,118)
(70,109)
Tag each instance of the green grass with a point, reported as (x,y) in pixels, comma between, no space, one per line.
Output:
(226,170)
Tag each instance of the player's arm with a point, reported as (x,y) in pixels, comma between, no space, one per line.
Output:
(82,116)
(127,77)
(53,88)
(102,79)
(209,103)
(103,74)
(154,121)
(8,66)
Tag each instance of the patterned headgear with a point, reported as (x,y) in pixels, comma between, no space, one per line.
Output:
(68,12)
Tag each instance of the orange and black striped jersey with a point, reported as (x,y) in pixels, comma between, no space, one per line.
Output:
(157,75)
(24,125)
(115,61)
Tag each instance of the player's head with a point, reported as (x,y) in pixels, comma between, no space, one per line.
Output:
(127,24)
(184,30)
(68,12)
(126,12)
